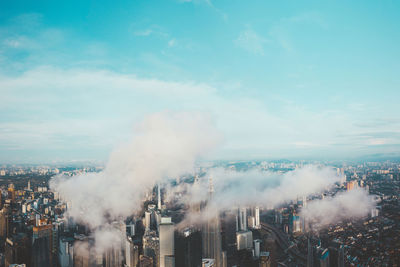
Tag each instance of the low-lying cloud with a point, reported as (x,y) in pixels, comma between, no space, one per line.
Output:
(353,204)
(165,145)
(266,189)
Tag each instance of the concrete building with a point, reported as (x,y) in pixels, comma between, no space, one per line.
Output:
(244,240)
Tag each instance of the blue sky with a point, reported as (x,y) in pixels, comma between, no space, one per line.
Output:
(280,79)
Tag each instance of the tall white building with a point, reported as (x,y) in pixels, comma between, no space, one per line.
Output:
(257,216)
(158,197)
(167,245)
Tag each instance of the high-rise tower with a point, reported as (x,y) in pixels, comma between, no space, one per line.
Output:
(167,244)
(242,219)
(159,197)
(188,248)
(257,218)
(212,232)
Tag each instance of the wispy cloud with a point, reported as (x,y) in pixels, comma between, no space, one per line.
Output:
(251,41)
(172,43)
(158,32)
(145,32)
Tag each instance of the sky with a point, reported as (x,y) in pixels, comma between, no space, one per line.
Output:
(278,79)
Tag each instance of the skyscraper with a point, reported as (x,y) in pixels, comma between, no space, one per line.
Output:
(167,245)
(188,250)
(242,219)
(317,256)
(257,216)
(17,249)
(65,252)
(336,254)
(323,257)
(257,245)
(310,253)
(151,247)
(11,192)
(131,253)
(212,233)
(147,220)
(158,197)
(42,245)
(294,223)
(228,234)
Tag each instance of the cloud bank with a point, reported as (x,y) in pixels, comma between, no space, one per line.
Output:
(256,188)
(353,204)
(165,145)
(39,120)
(233,189)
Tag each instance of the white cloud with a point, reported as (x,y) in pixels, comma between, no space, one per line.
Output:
(44,106)
(172,43)
(165,145)
(146,32)
(254,187)
(353,204)
(249,188)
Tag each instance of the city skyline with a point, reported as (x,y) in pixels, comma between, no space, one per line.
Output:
(281,214)
(199,133)
(313,80)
